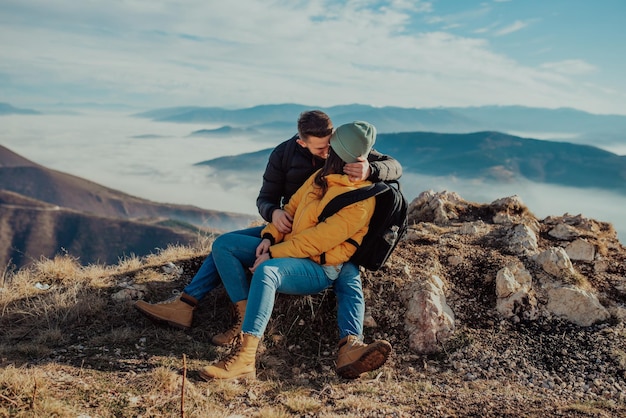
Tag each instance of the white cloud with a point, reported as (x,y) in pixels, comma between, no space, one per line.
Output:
(570,67)
(411,5)
(461,18)
(168,53)
(513,27)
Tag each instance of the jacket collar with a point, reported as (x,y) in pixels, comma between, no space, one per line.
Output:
(344,180)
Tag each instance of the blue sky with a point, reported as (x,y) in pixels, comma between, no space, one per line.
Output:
(159,53)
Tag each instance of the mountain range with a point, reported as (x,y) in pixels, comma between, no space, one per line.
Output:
(567,123)
(487,156)
(45,212)
(574,125)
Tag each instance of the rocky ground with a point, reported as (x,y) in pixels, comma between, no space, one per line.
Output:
(484,364)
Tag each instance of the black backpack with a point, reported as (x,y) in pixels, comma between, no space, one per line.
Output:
(387,226)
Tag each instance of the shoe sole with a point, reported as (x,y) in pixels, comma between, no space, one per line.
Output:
(245,376)
(162,321)
(372,359)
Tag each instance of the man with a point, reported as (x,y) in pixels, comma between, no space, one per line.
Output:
(290,164)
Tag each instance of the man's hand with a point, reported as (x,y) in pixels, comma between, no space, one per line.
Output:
(358,171)
(260,259)
(282,221)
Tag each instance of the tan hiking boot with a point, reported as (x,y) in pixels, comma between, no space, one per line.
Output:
(239,364)
(176,312)
(229,336)
(356,357)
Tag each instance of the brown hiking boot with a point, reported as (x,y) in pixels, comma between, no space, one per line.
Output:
(241,363)
(356,357)
(177,312)
(229,336)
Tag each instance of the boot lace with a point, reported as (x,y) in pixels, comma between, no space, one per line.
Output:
(238,318)
(166,301)
(235,347)
(358,343)
(237,325)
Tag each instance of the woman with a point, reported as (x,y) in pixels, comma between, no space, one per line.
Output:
(305,261)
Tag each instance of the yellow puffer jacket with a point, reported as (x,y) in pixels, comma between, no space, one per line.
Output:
(307,238)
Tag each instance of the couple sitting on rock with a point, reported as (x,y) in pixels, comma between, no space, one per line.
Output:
(293,253)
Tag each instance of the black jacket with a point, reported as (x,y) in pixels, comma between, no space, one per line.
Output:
(290,165)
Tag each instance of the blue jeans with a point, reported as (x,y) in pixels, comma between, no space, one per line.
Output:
(207,278)
(233,256)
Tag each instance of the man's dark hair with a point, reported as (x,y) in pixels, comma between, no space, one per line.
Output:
(314,123)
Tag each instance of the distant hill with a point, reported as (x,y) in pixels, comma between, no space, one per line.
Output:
(483,155)
(223,131)
(579,125)
(45,212)
(248,162)
(523,118)
(27,178)
(497,156)
(250,116)
(32,229)
(149,136)
(7,109)
(386,119)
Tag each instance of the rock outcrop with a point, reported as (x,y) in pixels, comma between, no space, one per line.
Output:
(524,268)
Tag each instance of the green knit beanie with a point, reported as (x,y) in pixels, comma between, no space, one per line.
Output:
(353,140)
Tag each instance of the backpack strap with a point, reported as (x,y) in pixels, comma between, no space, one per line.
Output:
(345,199)
(353,196)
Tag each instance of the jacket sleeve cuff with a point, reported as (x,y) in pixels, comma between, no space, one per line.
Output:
(374,174)
(270,237)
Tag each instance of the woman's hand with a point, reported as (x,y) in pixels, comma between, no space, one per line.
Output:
(263,247)
(259,259)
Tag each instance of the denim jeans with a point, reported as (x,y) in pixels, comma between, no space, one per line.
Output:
(207,278)
(232,256)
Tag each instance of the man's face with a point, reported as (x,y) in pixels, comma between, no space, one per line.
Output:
(316,145)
